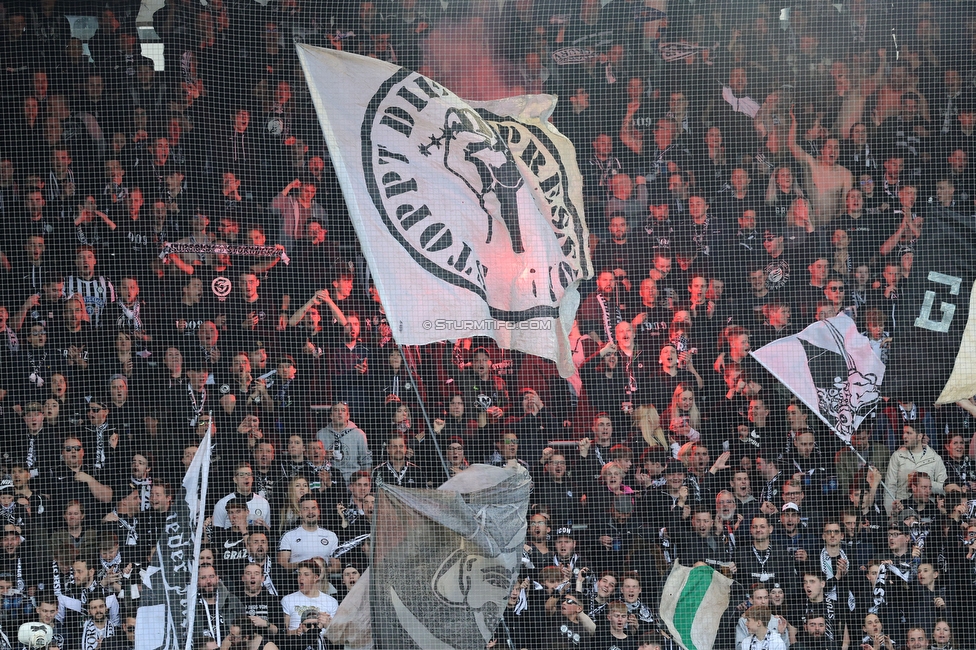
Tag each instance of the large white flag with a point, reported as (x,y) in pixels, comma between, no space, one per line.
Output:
(469,213)
(831,367)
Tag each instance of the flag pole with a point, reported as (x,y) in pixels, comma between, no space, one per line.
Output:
(423,410)
(816,411)
(851,447)
(201,501)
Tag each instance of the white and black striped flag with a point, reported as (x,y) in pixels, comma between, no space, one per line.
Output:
(831,368)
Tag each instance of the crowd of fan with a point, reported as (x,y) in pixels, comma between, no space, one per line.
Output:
(750,182)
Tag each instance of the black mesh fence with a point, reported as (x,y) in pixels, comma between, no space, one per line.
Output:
(179,256)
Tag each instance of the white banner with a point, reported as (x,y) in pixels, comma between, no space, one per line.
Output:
(469,213)
(831,367)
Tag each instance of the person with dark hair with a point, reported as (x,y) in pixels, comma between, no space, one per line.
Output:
(912,457)
(216,606)
(294,213)
(130,536)
(309,540)
(261,605)
(603,309)
(259,510)
(397,469)
(760,560)
(761,635)
(231,542)
(308,611)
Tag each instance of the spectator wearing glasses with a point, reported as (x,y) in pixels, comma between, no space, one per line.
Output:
(571,628)
(456,462)
(506,451)
(75,479)
(258,507)
(835,293)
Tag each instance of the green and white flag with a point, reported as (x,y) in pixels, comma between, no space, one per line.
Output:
(692,605)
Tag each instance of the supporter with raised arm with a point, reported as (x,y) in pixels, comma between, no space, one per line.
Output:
(827,182)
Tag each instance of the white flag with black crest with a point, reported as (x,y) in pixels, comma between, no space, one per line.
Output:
(469,213)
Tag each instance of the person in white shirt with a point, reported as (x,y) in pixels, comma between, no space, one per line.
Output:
(308,611)
(308,540)
(258,507)
(760,635)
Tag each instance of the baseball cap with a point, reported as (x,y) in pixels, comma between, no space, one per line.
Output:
(791,506)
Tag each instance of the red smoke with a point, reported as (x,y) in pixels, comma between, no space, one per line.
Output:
(461,57)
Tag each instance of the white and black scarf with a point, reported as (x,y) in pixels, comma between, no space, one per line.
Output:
(145,491)
(12,343)
(130,317)
(91,636)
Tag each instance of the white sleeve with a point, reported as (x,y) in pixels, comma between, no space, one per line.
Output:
(333,606)
(220,518)
(289,610)
(261,504)
(67,602)
(284,544)
(112,603)
(333,544)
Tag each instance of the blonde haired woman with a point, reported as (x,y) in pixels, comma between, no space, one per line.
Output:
(291,512)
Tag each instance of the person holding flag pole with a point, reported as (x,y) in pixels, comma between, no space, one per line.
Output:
(838,380)
(164,619)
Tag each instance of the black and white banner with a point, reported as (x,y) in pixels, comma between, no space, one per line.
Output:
(935,352)
(831,367)
(677,50)
(469,213)
(444,561)
(164,619)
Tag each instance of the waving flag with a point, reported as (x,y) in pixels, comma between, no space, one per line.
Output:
(469,213)
(692,603)
(444,561)
(934,355)
(831,367)
(164,619)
